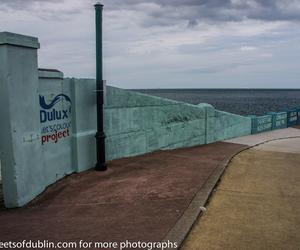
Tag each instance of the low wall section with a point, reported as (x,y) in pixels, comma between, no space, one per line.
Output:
(261,123)
(222,125)
(292,117)
(137,123)
(274,120)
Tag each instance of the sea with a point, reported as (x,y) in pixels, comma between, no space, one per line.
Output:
(237,101)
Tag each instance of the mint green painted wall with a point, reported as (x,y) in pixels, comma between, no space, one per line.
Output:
(261,123)
(56,156)
(222,125)
(20,152)
(136,123)
(279,120)
(84,123)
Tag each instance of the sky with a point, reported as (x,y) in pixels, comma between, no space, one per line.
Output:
(167,43)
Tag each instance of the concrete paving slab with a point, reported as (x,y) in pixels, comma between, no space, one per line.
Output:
(263,173)
(255,139)
(239,221)
(138,198)
(284,145)
(255,206)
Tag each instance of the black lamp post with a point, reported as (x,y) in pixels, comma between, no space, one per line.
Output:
(100,136)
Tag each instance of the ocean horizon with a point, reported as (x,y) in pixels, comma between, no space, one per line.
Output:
(242,101)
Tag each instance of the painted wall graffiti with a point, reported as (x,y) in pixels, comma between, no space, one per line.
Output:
(55,117)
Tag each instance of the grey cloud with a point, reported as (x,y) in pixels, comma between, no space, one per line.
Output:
(21,4)
(192,23)
(170,12)
(42,9)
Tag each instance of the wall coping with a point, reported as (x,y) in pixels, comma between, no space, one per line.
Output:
(8,38)
(50,74)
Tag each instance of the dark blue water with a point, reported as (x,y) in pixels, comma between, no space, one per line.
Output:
(238,101)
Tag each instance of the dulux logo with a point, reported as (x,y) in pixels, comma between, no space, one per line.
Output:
(52,115)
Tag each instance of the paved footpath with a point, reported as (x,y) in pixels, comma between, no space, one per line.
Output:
(257,202)
(138,199)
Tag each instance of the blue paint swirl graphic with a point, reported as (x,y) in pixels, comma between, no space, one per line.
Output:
(55,100)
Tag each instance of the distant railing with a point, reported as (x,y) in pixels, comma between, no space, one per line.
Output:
(273,120)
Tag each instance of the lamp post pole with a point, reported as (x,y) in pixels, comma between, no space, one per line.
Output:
(100,136)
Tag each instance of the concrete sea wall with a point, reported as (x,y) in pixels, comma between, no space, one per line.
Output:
(137,123)
(48,122)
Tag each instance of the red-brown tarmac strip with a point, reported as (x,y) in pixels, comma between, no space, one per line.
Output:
(138,199)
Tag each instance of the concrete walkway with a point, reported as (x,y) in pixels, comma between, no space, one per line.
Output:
(257,203)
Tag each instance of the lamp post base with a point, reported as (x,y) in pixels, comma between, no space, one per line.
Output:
(100,148)
(101,167)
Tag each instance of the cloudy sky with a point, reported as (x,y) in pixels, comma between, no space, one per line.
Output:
(167,43)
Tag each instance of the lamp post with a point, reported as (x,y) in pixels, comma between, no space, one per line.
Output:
(100,136)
